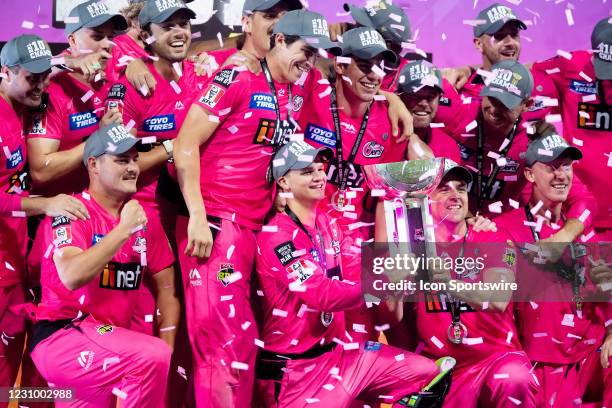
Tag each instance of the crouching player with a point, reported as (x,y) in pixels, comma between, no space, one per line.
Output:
(90,278)
(306,356)
(476,327)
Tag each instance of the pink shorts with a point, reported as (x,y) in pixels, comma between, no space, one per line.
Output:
(12,334)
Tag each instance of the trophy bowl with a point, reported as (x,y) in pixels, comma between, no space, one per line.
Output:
(412,178)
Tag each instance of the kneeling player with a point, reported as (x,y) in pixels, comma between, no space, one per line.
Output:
(307,357)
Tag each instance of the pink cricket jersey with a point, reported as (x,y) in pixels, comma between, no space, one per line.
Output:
(124,45)
(157,117)
(552,332)
(488,331)
(302,306)
(14,182)
(587,123)
(109,297)
(235,160)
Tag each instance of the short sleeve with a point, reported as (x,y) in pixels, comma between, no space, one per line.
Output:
(67,233)
(159,252)
(226,91)
(47,122)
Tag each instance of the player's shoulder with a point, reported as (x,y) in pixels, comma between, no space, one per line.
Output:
(511,220)
(232,76)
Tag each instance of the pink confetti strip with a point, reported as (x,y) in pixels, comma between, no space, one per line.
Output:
(474,23)
(269,228)
(437,342)
(176,87)
(178,69)
(87,96)
(213,118)
(378,71)
(343,60)
(119,393)
(436,125)
(279,313)
(150,40)
(471,126)
(585,214)
(18,214)
(553,118)
(237,365)
(589,98)
(232,311)
(144,90)
(545,152)
(509,337)
(585,77)
(148,139)
(585,238)
(27,24)
(130,125)
(553,71)
(326,92)
(380,97)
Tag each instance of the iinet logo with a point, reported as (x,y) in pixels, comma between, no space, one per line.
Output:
(85,359)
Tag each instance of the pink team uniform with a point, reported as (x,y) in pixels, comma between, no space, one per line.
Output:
(559,339)
(492,370)
(442,145)
(124,46)
(13,242)
(96,352)
(234,162)
(586,124)
(377,146)
(510,182)
(302,308)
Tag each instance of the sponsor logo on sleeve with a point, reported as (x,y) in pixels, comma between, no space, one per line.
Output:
(445,101)
(37,124)
(372,346)
(82,120)
(159,123)
(372,150)
(583,88)
(18,182)
(300,270)
(121,276)
(15,160)
(225,77)
(262,101)
(225,271)
(212,95)
(104,329)
(96,238)
(510,167)
(284,252)
(140,245)
(320,135)
(62,235)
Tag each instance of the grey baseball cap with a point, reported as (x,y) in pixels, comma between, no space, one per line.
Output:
(601,43)
(262,5)
(453,171)
(511,83)
(28,51)
(160,11)
(112,139)
(93,13)
(494,18)
(310,27)
(367,43)
(389,20)
(418,74)
(296,155)
(548,147)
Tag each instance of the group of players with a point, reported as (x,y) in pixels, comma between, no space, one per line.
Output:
(205,213)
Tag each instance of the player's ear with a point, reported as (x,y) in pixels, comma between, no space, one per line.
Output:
(339,68)
(72,41)
(284,184)
(93,165)
(478,43)
(528,172)
(525,105)
(247,26)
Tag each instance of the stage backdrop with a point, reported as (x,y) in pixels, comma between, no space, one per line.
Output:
(438,25)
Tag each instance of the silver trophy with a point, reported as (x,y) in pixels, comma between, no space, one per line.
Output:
(407,214)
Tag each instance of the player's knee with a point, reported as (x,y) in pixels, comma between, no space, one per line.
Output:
(157,354)
(514,375)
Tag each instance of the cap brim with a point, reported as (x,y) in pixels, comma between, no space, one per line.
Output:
(324,43)
(359,15)
(603,69)
(570,152)
(509,100)
(498,25)
(170,12)
(457,172)
(119,22)
(37,66)
(390,58)
(291,5)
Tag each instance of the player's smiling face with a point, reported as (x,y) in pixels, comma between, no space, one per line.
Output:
(307,184)
(25,87)
(118,174)
(296,59)
(449,202)
(172,37)
(551,181)
(259,25)
(359,79)
(497,115)
(504,45)
(423,105)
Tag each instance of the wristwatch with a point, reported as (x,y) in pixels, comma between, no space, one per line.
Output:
(168,146)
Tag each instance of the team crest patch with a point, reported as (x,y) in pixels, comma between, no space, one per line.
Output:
(38,124)
(372,150)
(62,235)
(225,77)
(284,252)
(104,329)
(297,103)
(509,257)
(140,245)
(327,318)
(224,273)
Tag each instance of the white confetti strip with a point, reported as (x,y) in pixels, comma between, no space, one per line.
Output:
(501,376)
(176,87)
(279,313)
(237,365)
(213,118)
(18,214)
(470,341)
(513,203)
(148,139)
(178,69)
(472,125)
(585,77)
(436,125)
(130,125)
(585,214)
(27,24)
(553,118)
(588,98)
(564,54)
(437,342)
(400,357)
(378,71)
(326,92)
(395,17)
(269,228)
(312,400)
(569,16)
(232,311)
(343,60)
(376,192)
(545,152)
(150,40)
(329,387)
(585,238)
(245,325)
(119,393)
(538,335)
(553,71)
(515,401)
(381,98)
(509,337)
(144,90)
(87,96)
(278,162)
(233,277)
(382,328)
(351,346)
(577,142)
(474,23)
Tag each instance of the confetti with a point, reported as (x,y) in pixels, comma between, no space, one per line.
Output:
(326,92)
(148,140)
(18,214)
(148,318)
(585,214)
(237,365)
(569,16)
(233,129)
(436,125)
(150,40)
(233,277)
(474,23)
(27,24)
(378,71)
(178,69)
(472,125)
(577,142)
(509,337)
(213,118)
(400,357)
(585,238)
(496,207)
(545,152)
(278,162)
(87,96)
(470,341)
(144,90)
(585,77)
(553,71)
(279,313)
(176,87)
(382,328)
(119,393)
(351,346)
(71,20)
(515,401)
(437,342)
(312,400)
(269,228)
(329,387)
(501,376)
(378,97)
(58,61)
(108,361)
(232,311)
(343,60)
(564,54)
(588,98)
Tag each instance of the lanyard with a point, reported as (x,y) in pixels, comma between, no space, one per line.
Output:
(277,139)
(318,247)
(455,304)
(483,191)
(562,270)
(601,93)
(343,165)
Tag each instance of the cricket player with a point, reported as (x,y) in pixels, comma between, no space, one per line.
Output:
(91,273)
(307,357)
